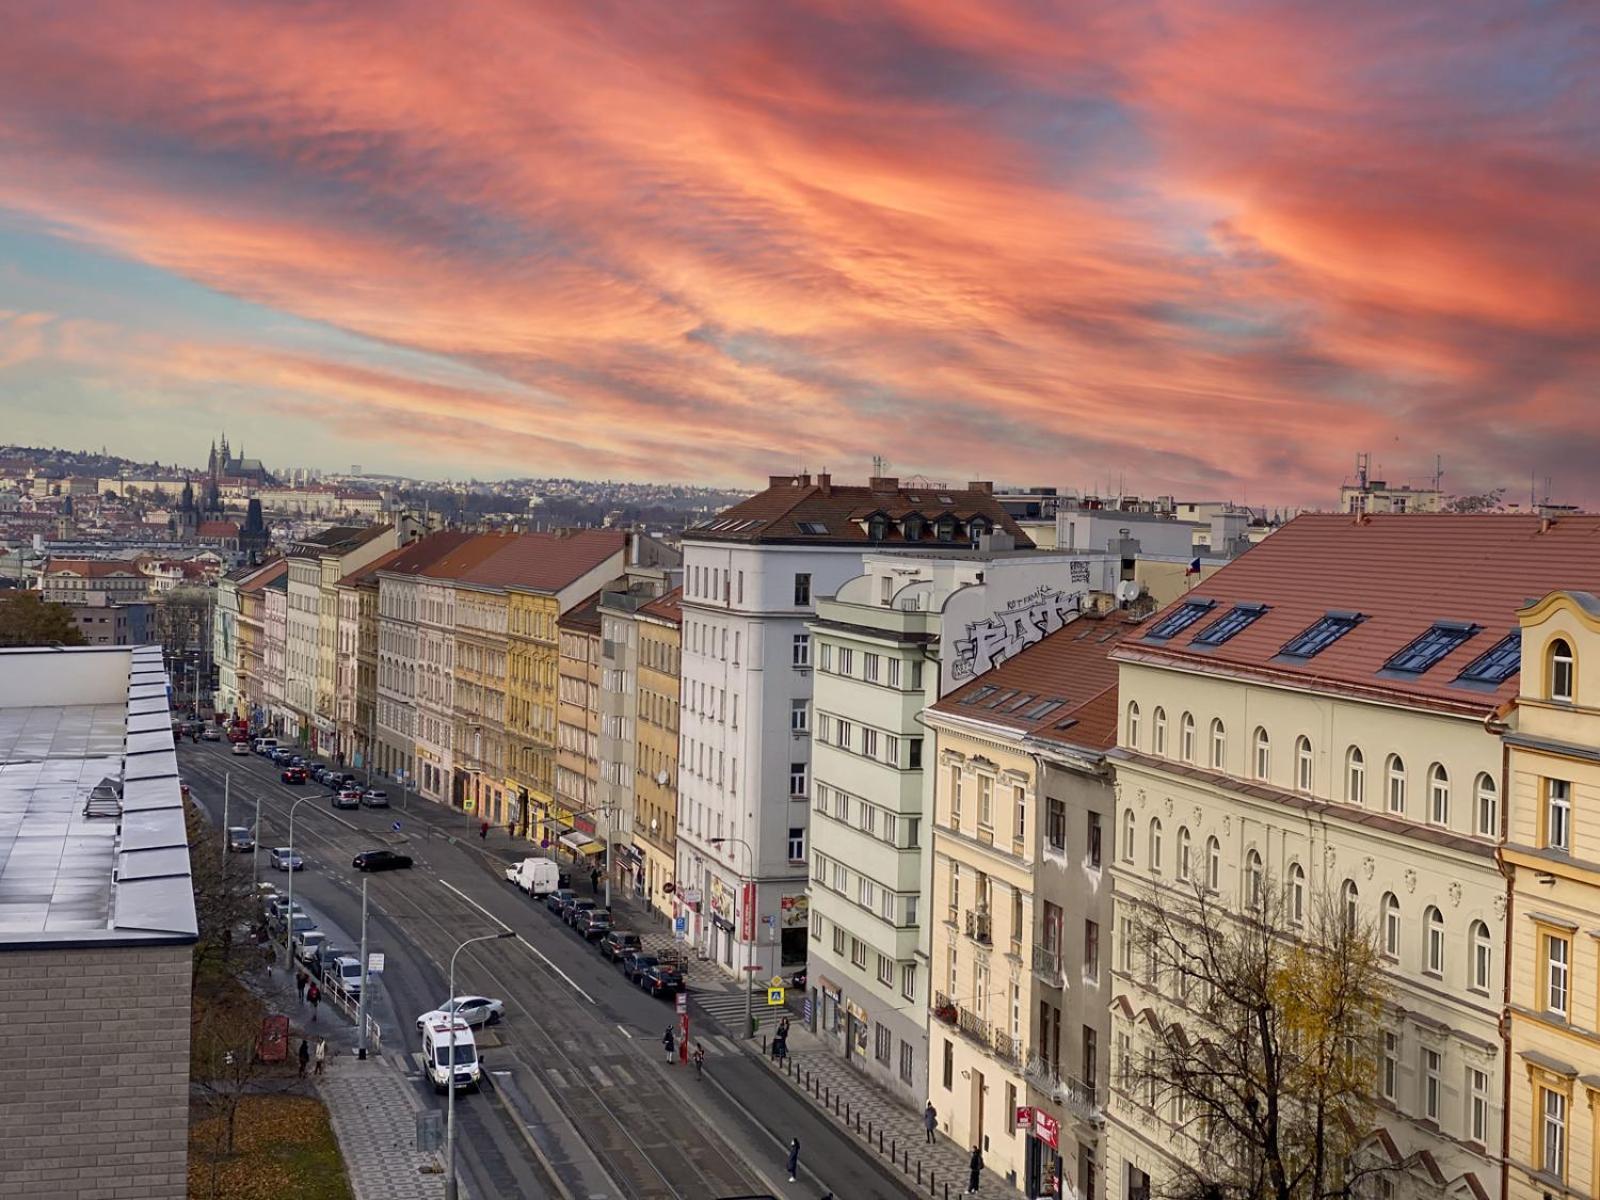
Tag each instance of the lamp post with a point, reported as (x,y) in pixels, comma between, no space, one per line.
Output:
(288,924)
(750,857)
(450,1102)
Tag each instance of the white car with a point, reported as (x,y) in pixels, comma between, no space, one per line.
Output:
(240,748)
(474,1010)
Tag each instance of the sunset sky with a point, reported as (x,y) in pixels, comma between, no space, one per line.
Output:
(1213,247)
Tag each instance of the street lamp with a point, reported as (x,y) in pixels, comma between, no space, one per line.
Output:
(288,925)
(749,1015)
(450,1102)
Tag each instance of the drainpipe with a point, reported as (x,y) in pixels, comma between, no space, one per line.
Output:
(1497,725)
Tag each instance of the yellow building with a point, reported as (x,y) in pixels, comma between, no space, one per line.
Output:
(481,684)
(1553,849)
(531,696)
(655,809)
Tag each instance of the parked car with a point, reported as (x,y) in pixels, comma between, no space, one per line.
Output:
(474,1010)
(617,943)
(593,924)
(211,734)
(284,859)
(348,798)
(293,775)
(558,899)
(380,860)
(663,979)
(375,798)
(300,923)
(240,748)
(240,840)
(636,963)
(345,974)
(308,945)
(571,912)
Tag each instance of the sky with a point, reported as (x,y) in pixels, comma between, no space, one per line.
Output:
(1211,248)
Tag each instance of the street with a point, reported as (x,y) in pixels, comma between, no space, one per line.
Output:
(580,1101)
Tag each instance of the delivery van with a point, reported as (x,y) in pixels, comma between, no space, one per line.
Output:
(536,876)
(436,1053)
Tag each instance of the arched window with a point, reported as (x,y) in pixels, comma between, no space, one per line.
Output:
(1482,957)
(1213,864)
(1355,776)
(1297,894)
(1438,795)
(1183,853)
(1302,763)
(1433,921)
(1133,724)
(1158,731)
(1186,738)
(1155,844)
(1263,754)
(1560,673)
(1127,836)
(1351,897)
(1391,925)
(1488,805)
(1252,880)
(1219,744)
(1395,778)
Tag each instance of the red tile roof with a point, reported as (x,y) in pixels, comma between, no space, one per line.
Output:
(583,617)
(800,510)
(217,529)
(369,573)
(265,575)
(424,552)
(1401,572)
(666,608)
(1070,668)
(538,562)
(90,568)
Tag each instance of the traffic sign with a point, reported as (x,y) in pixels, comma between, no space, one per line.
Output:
(680,924)
(395,827)
(375,963)
(683,1002)
(774,997)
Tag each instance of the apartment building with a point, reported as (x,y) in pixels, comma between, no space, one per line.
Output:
(356,662)
(251,648)
(1321,714)
(655,754)
(533,683)
(1018,1003)
(751,577)
(225,649)
(75,580)
(571,820)
(275,634)
(892,641)
(1552,852)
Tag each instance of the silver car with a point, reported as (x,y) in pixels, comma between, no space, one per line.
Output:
(285,859)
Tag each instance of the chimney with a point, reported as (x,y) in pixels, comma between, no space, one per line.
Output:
(825,483)
(986,486)
(884,483)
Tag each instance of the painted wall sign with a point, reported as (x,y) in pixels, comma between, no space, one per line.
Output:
(987,643)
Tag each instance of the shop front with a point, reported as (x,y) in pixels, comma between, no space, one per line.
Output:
(1042,1176)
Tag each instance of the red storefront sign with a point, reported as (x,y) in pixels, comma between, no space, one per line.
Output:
(1041,1124)
(747,913)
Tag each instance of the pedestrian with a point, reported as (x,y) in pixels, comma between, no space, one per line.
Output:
(974,1169)
(794,1158)
(783,1028)
(930,1121)
(314,994)
(305,1057)
(594,881)
(780,1048)
(483,831)
(699,1060)
(671,1045)
(321,1055)
(511,829)
(300,981)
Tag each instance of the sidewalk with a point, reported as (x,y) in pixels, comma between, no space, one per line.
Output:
(373,1110)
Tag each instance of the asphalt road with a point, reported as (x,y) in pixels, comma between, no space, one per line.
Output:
(581,1103)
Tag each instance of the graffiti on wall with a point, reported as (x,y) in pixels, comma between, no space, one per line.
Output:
(1022,622)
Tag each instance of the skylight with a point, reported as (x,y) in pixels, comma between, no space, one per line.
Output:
(1001,699)
(1324,632)
(813,527)
(1176,622)
(1040,711)
(982,693)
(1024,699)
(1496,664)
(1430,646)
(1228,624)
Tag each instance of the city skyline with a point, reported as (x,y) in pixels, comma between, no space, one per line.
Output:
(1216,249)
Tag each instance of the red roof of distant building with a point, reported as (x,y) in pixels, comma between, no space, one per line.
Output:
(668,607)
(217,529)
(540,562)
(90,568)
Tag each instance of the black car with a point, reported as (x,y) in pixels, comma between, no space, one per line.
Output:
(380,860)
(635,965)
(617,944)
(571,912)
(662,979)
(557,900)
(594,924)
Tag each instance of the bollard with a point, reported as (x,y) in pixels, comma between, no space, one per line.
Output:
(869,1130)
(858,1120)
(947,1192)
(919,1170)
(763,1045)
(894,1148)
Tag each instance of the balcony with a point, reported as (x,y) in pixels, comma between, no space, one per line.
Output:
(1047,966)
(973,1027)
(978,928)
(1075,1095)
(944,1008)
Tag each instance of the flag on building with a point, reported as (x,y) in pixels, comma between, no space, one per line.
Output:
(1192,569)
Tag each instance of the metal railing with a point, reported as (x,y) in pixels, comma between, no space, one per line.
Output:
(978,927)
(1047,965)
(973,1026)
(350,1006)
(1074,1094)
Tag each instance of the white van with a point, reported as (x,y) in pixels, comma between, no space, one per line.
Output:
(265,745)
(436,1053)
(345,973)
(536,876)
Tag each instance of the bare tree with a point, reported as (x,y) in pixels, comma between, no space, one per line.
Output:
(1264,1040)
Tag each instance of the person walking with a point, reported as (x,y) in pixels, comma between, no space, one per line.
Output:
(670,1043)
(305,1056)
(793,1162)
(974,1170)
(314,995)
(594,881)
(321,1055)
(930,1121)
(783,1028)
(483,831)
(699,1061)
(300,981)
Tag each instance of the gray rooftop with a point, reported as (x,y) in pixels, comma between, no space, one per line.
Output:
(67,878)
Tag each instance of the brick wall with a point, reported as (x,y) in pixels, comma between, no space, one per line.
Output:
(94,1073)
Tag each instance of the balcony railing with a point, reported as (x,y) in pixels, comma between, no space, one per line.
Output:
(1074,1094)
(1007,1048)
(978,928)
(1047,966)
(974,1027)
(944,1008)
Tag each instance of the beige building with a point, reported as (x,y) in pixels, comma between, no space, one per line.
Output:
(655,809)
(571,820)
(1553,852)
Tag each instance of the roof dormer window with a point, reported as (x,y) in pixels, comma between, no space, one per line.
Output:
(946,527)
(911,527)
(1496,664)
(1432,645)
(878,527)
(1321,634)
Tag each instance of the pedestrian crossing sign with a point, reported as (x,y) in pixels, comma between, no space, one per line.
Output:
(774,997)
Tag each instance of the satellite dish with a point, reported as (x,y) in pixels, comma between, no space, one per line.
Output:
(1127,589)
(661,778)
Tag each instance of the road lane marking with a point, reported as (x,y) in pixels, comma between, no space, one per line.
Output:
(625,1032)
(542,956)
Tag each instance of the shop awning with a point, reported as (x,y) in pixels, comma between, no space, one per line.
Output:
(581,842)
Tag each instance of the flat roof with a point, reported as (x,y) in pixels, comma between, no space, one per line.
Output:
(68,878)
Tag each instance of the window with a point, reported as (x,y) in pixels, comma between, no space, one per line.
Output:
(858,953)
(1229,623)
(815,528)
(1496,664)
(838,940)
(1302,763)
(1093,848)
(1558,960)
(949,1065)
(1213,864)
(1352,904)
(797,779)
(1297,894)
(1019,806)
(955,796)
(1252,880)
(1355,776)
(797,845)
(1553,1144)
(1321,634)
(1127,836)
(1180,619)
(1482,957)
(985,801)
(1488,806)
(1438,795)
(843,734)
(891,750)
(1391,1065)
(1433,954)
(870,665)
(1091,950)
(1183,853)
(1395,774)
(1055,830)
(894,672)
(801,651)
(802,590)
(1560,674)
(914,754)
(1391,925)
(1431,646)
(825,656)
(1478,1105)
(1186,738)
(1263,755)
(1430,1084)
(800,715)
(1158,732)
(869,742)
(1125,944)
(1219,744)
(1558,814)
(885,970)
(908,981)
(1133,724)
(847,660)
(908,1058)
(1155,845)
